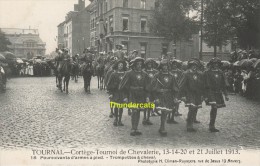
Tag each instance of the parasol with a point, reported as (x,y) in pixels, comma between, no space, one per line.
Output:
(225,64)
(256,64)
(245,63)
(236,63)
(253,60)
(2,58)
(18,60)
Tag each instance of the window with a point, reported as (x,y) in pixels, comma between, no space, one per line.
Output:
(125,3)
(143,49)
(143,24)
(105,6)
(164,48)
(125,23)
(111,29)
(143,4)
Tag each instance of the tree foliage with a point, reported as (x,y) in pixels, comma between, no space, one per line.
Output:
(171,19)
(4,42)
(226,19)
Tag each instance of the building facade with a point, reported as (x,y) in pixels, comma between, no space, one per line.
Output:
(126,22)
(25,43)
(73,33)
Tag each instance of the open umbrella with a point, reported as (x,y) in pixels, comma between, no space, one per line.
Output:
(225,64)
(245,63)
(18,60)
(2,58)
(256,64)
(253,60)
(236,63)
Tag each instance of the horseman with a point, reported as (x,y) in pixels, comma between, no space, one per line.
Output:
(133,55)
(63,59)
(88,56)
(119,52)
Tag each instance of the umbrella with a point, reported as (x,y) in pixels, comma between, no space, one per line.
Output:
(256,64)
(2,58)
(44,63)
(38,60)
(9,55)
(245,63)
(236,63)
(225,64)
(253,60)
(25,60)
(18,60)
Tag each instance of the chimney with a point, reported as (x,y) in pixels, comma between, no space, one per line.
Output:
(81,4)
(76,7)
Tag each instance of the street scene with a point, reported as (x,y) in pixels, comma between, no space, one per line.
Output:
(129,82)
(34,114)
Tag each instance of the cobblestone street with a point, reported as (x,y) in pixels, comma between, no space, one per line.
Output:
(35,114)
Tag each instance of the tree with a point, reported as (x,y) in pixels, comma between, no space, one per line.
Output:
(246,16)
(4,42)
(217,24)
(226,19)
(171,19)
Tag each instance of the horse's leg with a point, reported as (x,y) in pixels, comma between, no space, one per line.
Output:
(102,85)
(64,79)
(89,80)
(67,80)
(60,83)
(57,81)
(98,81)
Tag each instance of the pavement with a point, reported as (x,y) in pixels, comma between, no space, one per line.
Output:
(35,114)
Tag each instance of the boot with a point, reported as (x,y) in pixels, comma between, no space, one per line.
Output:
(213,115)
(195,116)
(190,121)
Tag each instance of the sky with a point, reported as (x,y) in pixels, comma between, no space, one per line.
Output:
(43,15)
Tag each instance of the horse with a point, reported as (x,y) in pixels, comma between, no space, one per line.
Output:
(100,73)
(55,70)
(75,71)
(87,72)
(64,71)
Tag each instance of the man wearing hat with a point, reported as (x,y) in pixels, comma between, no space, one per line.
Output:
(135,84)
(192,86)
(117,95)
(64,57)
(216,85)
(165,89)
(119,53)
(150,65)
(133,55)
(177,73)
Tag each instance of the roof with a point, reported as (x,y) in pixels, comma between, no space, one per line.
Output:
(20,39)
(20,31)
(24,38)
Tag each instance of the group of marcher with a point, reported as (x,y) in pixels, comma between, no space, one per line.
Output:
(166,85)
